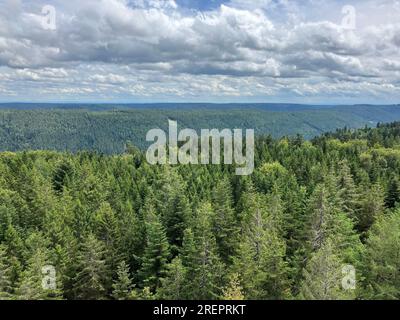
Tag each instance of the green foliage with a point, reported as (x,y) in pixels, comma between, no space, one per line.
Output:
(234,290)
(91,270)
(156,253)
(323,276)
(173,285)
(111,128)
(260,259)
(5,275)
(122,286)
(204,267)
(382,263)
(115,227)
(31,284)
(224,224)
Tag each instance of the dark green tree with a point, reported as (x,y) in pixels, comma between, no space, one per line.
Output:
(393,193)
(5,274)
(156,253)
(382,263)
(173,284)
(204,276)
(92,274)
(224,224)
(323,276)
(122,286)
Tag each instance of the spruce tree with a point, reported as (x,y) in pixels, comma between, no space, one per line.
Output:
(173,206)
(204,275)
(33,284)
(382,262)
(348,192)
(371,206)
(156,253)
(260,259)
(323,276)
(5,274)
(393,193)
(122,286)
(225,226)
(173,284)
(234,290)
(328,221)
(92,274)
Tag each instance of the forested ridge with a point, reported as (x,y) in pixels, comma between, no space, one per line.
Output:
(107,128)
(115,227)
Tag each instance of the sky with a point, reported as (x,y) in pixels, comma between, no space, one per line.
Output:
(116,51)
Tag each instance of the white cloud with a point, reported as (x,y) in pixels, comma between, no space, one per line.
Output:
(134,49)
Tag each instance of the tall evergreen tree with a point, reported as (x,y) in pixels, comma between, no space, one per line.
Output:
(5,274)
(32,284)
(173,206)
(234,290)
(323,276)
(156,253)
(328,221)
(204,275)
(260,259)
(370,206)
(348,192)
(173,284)
(382,263)
(393,193)
(91,274)
(122,286)
(225,226)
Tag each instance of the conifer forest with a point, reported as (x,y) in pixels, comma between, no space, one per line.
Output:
(314,216)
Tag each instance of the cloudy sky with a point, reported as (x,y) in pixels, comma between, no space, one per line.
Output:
(308,51)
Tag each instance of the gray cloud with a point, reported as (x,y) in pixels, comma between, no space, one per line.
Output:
(120,47)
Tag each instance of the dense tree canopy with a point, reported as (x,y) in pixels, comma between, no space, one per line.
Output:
(115,227)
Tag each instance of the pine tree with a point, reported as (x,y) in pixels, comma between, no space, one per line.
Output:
(14,242)
(107,225)
(156,253)
(382,263)
(173,206)
(60,176)
(107,230)
(348,192)
(225,226)
(393,193)
(5,274)
(370,207)
(123,284)
(82,220)
(234,290)
(323,276)
(91,274)
(132,233)
(321,212)
(200,258)
(172,287)
(328,221)
(260,258)
(32,284)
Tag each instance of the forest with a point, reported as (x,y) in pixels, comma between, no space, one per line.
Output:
(86,225)
(107,128)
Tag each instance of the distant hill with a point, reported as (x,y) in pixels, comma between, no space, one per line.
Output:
(107,127)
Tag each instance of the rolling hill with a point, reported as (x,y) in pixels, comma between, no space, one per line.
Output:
(106,128)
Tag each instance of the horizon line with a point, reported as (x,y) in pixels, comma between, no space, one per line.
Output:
(200,102)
